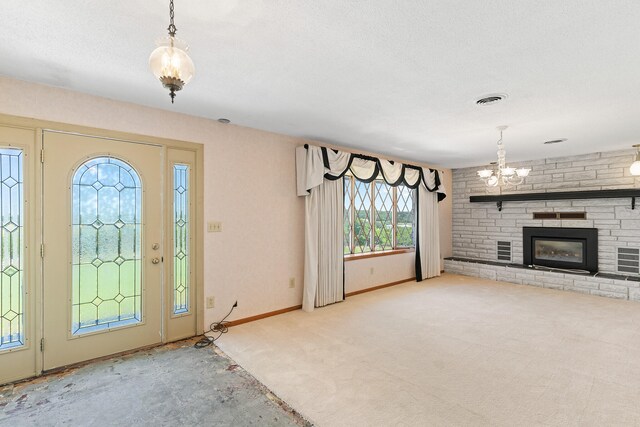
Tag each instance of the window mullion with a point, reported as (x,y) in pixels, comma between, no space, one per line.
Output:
(394,221)
(352,233)
(373,216)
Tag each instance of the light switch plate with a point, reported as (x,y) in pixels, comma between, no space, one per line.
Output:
(214,227)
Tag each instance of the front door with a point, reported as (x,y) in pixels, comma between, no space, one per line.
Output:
(102,235)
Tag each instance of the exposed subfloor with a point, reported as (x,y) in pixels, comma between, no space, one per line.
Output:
(453,350)
(166,386)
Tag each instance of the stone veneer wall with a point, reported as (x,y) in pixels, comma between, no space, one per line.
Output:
(478,226)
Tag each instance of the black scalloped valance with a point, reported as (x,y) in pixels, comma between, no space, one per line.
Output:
(317,163)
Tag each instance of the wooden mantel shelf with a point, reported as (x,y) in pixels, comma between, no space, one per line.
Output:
(558,195)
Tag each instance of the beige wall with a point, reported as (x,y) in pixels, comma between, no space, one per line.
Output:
(261,245)
(370,272)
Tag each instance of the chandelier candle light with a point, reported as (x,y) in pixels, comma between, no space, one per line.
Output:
(635,166)
(503,175)
(170,62)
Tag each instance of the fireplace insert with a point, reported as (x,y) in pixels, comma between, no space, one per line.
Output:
(558,247)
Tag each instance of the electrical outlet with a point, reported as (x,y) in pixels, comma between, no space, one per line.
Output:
(211,302)
(292,282)
(371,270)
(214,227)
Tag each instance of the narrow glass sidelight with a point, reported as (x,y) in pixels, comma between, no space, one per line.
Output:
(106,246)
(181,285)
(12,290)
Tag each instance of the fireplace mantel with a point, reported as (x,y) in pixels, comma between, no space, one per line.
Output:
(558,195)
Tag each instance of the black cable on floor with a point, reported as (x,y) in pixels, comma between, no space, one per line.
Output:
(216,327)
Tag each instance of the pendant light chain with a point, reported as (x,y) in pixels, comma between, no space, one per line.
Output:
(172,28)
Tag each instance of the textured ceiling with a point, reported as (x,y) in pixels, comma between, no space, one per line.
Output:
(395,77)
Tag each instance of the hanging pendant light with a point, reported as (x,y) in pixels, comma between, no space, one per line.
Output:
(503,175)
(170,62)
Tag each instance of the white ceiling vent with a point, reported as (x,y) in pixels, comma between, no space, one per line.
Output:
(555,141)
(491,99)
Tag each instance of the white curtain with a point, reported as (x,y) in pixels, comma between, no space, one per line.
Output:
(319,172)
(428,237)
(430,192)
(323,261)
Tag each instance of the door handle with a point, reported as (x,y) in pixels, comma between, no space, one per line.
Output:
(155,260)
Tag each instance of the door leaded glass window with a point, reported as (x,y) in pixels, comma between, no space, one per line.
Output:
(11,252)
(181,239)
(106,252)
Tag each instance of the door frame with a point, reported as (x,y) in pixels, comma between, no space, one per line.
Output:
(39,126)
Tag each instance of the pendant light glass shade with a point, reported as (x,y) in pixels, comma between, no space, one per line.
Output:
(171,64)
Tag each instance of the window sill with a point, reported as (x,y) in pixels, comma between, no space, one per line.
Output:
(355,257)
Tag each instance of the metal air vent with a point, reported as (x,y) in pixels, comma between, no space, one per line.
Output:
(629,260)
(559,215)
(504,251)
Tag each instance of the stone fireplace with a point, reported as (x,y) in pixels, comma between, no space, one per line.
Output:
(482,231)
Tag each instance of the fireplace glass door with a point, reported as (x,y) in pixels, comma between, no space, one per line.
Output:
(559,250)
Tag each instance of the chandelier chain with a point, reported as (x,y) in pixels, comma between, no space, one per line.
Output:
(172,28)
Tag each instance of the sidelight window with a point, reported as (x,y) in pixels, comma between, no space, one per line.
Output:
(11,252)
(181,254)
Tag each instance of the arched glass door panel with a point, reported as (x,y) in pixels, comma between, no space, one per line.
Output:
(106,246)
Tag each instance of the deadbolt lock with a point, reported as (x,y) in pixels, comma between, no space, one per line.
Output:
(155,246)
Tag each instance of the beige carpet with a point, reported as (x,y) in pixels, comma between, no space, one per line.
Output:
(452,351)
